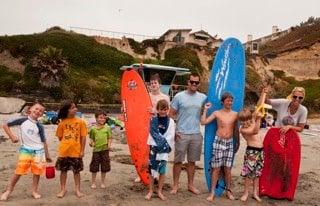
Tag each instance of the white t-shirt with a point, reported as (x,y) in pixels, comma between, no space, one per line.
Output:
(32,132)
(156,98)
(169,135)
(282,108)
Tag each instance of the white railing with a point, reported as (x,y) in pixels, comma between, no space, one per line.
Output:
(111,34)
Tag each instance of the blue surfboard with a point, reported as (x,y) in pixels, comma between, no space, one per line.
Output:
(227,75)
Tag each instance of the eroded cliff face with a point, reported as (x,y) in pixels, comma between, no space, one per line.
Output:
(295,67)
(124,46)
(260,73)
(301,64)
(14,64)
(298,67)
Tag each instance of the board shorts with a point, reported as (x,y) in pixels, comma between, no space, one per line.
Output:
(100,162)
(190,144)
(69,163)
(156,167)
(160,170)
(222,153)
(31,158)
(253,162)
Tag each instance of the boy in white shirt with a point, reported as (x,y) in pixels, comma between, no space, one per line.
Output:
(161,141)
(33,152)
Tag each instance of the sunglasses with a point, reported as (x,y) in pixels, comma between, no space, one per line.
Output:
(297,97)
(194,82)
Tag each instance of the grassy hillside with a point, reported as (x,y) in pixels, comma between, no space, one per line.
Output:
(93,72)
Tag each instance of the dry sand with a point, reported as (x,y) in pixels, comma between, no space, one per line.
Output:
(121,189)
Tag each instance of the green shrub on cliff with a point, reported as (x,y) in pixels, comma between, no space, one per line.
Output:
(8,79)
(137,47)
(183,57)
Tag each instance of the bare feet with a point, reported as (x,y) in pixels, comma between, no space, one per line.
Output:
(193,190)
(5,195)
(230,195)
(137,179)
(210,198)
(174,190)
(36,195)
(103,186)
(61,194)
(244,197)
(161,196)
(93,186)
(79,194)
(149,195)
(256,197)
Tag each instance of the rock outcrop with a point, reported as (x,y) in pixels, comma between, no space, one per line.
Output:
(10,105)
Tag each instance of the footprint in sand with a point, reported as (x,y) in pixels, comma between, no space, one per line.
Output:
(123,159)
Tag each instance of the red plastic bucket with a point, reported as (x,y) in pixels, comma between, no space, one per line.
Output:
(50,172)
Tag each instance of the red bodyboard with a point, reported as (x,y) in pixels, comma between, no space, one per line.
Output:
(281,164)
(136,104)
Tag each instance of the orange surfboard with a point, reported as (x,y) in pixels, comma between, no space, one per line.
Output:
(135,105)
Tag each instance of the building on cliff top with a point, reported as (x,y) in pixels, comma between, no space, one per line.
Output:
(184,36)
(253,45)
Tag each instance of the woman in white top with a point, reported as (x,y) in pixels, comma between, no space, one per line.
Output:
(291,114)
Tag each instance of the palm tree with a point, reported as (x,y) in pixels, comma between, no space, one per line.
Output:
(51,66)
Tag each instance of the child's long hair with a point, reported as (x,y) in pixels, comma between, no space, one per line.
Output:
(63,111)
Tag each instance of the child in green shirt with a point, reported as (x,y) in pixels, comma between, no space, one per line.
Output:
(100,139)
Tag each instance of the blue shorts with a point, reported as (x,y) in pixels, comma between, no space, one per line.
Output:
(156,167)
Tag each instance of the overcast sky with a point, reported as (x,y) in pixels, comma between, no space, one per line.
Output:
(226,18)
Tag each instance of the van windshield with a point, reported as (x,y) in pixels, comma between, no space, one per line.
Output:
(166,76)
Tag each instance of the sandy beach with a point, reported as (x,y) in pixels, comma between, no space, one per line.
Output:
(121,189)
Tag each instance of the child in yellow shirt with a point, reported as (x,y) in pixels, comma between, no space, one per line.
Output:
(72,133)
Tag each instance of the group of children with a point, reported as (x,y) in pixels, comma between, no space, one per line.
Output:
(72,132)
(223,146)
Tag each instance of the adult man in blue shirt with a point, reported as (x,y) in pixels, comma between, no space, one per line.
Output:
(186,108)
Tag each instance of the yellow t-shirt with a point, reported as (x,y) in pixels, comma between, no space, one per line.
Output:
(70,131)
